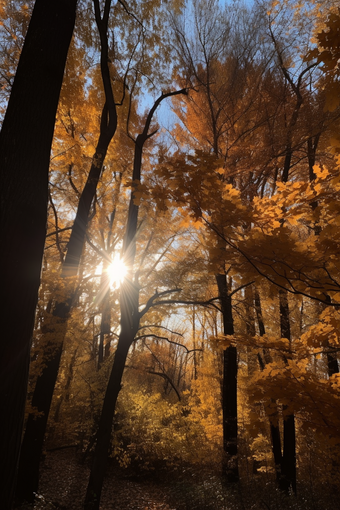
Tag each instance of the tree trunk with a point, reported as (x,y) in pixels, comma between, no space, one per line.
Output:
(25,145)
(34,434)
(129,322)
(250,327)
(288,466)
(106,316)
(43,392)
(274,420)
(229,387)
(333,365)
(33,440)
(66,390)
(129,327)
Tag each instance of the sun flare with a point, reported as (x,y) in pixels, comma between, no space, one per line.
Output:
(117,271)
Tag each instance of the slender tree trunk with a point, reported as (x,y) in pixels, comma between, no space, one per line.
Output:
(194,341)
(251,357)
(25,144)
(312,145)
(94,488)
(288,467)
(33,440)
(333,365)
(106,315)
(66,390)
(129,322)
(229,388)
(274,419)
(250,327)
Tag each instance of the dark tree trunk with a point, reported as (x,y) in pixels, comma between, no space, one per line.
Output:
(66,390)
(288,466)
(274,420)
(332,363)
(250,327)
(43,392)
(32,445)
(103,351)
(129,327)
(25,144)
(33,440)
(288,470)
(129,322)
(229,387)
(312,145)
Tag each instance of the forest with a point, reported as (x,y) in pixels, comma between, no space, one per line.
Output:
(170,225)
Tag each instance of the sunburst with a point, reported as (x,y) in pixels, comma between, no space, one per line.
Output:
(117,271)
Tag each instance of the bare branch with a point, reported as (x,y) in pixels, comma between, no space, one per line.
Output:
(207,303)
(162,327)
(57,240)
(151,335)
(58,231)
(151,300)
(241,287)
(160,374)
(167,378)
(75,189)
(123,4)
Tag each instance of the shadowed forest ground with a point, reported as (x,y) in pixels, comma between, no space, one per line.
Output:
(64,478)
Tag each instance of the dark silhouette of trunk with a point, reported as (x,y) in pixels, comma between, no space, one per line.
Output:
(129,327)
(250,327)
(129,323)
(312,145)
(66,390)
(104,295)
(292,122)
(32,444)
(274,419)
(251,332)
(194,342)
(287,479)
(229,386)
(288,466)
(28,473)
(332,363)
(106,317)
(25,145)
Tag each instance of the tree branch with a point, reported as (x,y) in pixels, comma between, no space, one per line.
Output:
(150,301)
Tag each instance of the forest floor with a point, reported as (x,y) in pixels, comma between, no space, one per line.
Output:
(64,479)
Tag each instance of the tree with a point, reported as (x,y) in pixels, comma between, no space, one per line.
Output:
(25,144)
(129,320)
(223,113)
(28,474)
